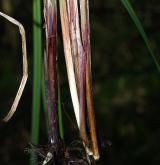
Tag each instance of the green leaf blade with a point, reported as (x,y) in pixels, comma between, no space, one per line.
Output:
(140,28)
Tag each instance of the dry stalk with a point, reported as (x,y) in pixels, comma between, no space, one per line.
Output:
(50,59)
(68,58)
(84,7)
(76,42)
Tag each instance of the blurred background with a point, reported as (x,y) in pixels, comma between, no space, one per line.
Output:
(126,83)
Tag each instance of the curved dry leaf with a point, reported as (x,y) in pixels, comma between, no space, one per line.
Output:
(25,66)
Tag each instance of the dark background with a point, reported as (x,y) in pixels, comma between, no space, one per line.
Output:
(126,83)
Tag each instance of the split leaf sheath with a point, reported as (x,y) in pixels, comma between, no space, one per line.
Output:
(68,57)
(76,43)
(85,28)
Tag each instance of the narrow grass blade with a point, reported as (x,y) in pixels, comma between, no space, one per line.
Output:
(140,28)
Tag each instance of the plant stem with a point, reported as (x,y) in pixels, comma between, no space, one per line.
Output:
(37,53)
(79,59)
(85,27)
(50,57)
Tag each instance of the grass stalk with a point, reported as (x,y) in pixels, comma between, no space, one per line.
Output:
(77,54)
(85,28)
(37,53)
(50,15)
(68,57)
(79,62)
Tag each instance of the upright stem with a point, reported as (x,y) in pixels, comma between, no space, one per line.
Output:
(85,27)
(50,15)
(37,54)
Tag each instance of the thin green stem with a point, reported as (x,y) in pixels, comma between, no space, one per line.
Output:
(37,53)
(60,115)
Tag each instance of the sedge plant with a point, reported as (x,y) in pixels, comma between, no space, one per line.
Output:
(74,15)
